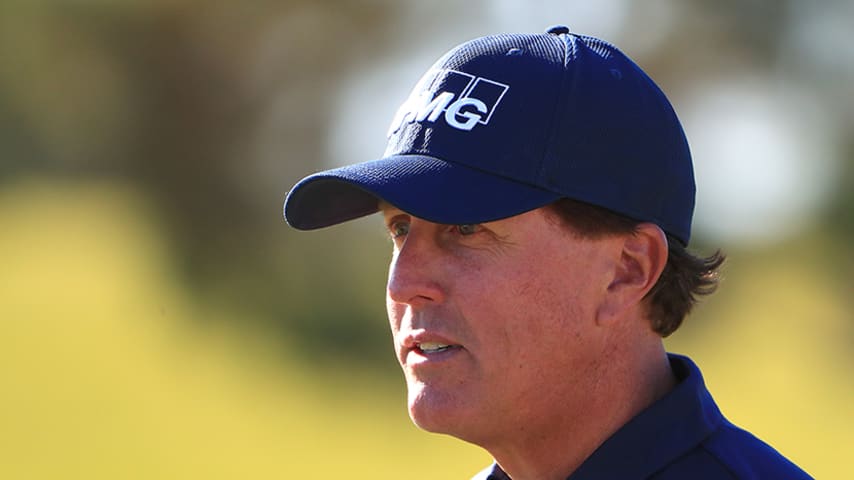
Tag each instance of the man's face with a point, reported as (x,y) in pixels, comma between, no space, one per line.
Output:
(494,324)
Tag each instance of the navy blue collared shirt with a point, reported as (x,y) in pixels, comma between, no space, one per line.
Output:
(681,436)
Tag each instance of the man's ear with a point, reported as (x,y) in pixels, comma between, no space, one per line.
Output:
(642,259)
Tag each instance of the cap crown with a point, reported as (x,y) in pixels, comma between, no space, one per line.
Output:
(566,113)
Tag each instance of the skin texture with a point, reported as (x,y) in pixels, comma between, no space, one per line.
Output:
(548,351)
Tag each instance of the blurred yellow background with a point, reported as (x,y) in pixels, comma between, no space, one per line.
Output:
(159,320)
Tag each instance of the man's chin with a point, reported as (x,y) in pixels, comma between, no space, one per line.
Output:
(461,423)
(435,411)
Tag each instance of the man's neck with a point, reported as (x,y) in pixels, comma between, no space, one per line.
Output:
(557,446)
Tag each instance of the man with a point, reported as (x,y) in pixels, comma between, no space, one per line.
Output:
(539,193)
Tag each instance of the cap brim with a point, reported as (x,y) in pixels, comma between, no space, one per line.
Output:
(426,187)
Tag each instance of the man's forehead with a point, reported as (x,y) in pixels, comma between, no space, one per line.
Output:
(386,208)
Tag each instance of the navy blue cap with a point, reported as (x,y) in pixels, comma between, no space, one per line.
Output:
(508,123)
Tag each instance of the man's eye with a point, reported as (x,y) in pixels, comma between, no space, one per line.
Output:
(398,229)
(468,228)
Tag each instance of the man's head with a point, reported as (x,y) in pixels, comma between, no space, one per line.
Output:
(539,192)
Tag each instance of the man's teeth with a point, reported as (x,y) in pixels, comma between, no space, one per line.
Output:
(431,347)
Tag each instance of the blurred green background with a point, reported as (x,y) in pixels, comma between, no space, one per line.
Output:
(159,319)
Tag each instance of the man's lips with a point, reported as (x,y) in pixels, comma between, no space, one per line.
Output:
(427,343)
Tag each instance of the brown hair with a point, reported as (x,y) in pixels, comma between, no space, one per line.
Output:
(685,278)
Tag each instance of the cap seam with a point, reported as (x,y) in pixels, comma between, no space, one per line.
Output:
(543,176)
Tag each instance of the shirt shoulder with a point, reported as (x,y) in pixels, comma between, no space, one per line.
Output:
(732,453)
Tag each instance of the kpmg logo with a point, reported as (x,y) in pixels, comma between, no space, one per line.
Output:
(461,99)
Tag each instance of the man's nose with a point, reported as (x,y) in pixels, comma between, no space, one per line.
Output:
(415,273)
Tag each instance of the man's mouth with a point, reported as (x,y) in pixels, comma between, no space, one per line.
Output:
(433,347)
